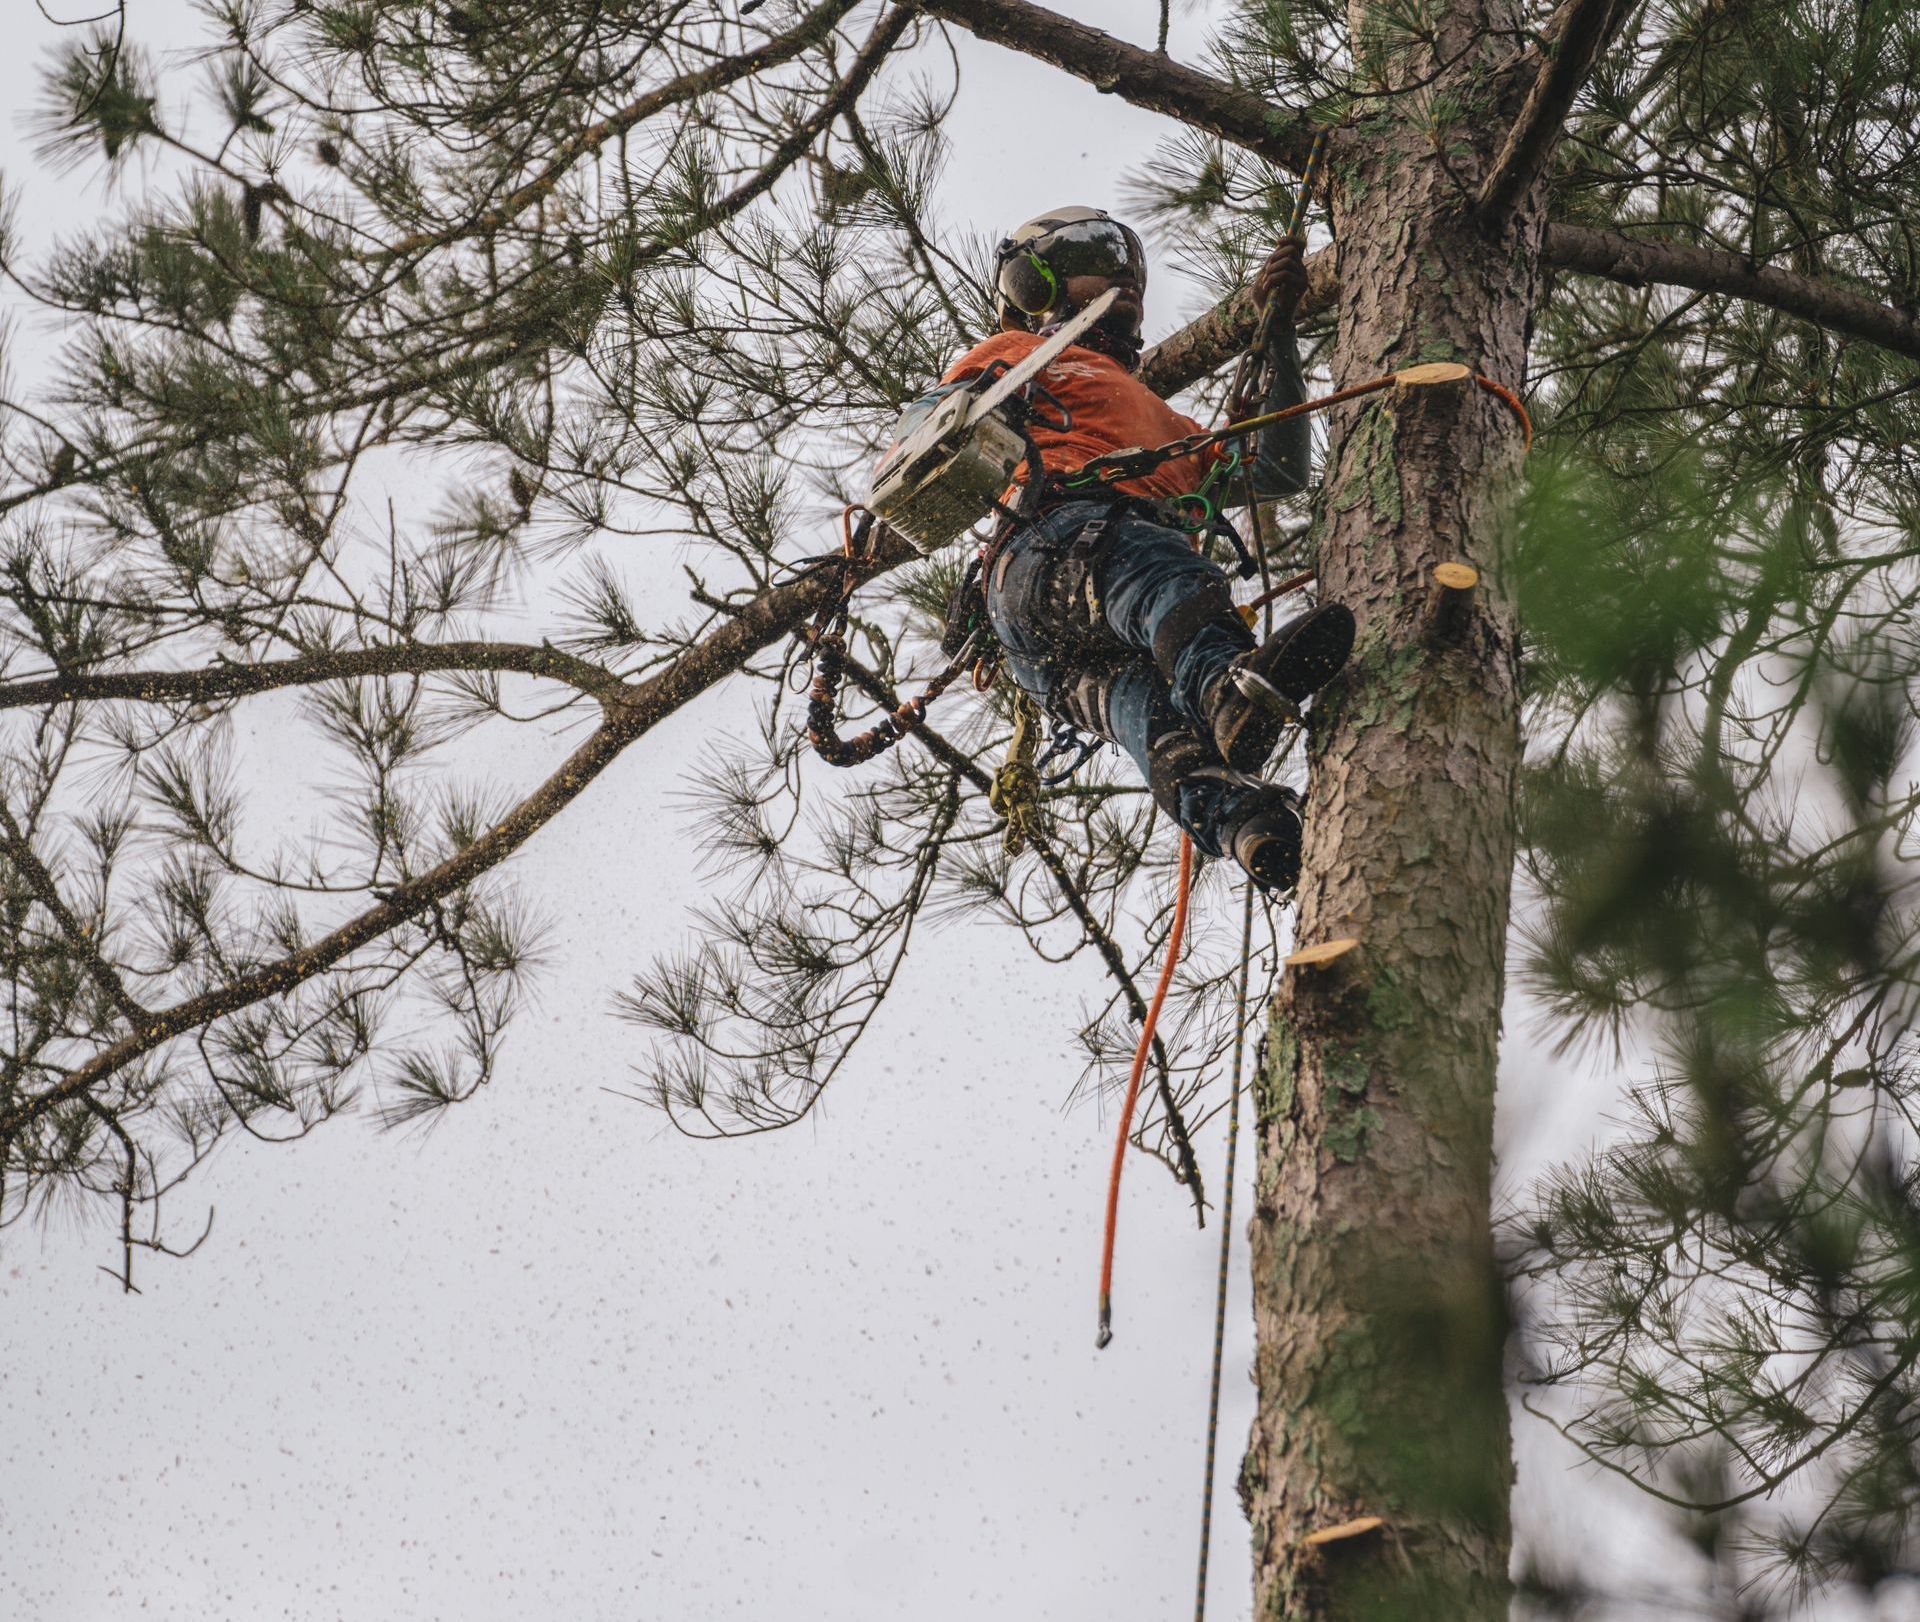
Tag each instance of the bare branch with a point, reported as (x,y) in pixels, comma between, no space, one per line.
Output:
(233,679)
(1143,77)
(1637,261)
(1577,35)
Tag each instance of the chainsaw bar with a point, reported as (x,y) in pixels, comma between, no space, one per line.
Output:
(1018,376)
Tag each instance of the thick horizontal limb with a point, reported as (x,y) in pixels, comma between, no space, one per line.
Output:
(1135,74)
(1638,261)
(762,621)
(1150,80)
(1210,341)
(235,679)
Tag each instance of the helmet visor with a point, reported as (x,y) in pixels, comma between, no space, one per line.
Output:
(1103,248)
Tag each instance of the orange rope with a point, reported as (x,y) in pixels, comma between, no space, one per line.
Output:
(1174,938)
(846,524)
(1511,401)
(1250,611)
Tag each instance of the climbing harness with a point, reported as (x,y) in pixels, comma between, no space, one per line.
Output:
(828,636)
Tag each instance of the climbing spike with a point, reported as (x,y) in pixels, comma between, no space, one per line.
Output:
(1346,1529)
(1435,371)
(1457,576)
(1313,957)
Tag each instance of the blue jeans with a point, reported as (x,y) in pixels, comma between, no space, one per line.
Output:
(1144,578)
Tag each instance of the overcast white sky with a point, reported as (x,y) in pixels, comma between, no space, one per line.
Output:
(554,1360)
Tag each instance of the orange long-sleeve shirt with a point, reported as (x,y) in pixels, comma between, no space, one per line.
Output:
(1112,410)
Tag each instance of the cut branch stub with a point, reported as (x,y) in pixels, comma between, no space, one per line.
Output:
(1448,613)
(1346,1529)
(1314,957)
(1432,372)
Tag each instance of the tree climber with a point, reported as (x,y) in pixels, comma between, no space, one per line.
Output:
(1105,612)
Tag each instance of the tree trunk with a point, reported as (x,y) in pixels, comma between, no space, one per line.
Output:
(1379,1320)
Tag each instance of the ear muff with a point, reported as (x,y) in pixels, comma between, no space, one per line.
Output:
(1026,282)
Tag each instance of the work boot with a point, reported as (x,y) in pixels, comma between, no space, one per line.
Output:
(1267,842)
(1262,690)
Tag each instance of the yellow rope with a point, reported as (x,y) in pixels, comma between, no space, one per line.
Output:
(1015,791)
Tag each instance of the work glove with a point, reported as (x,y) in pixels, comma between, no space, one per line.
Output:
(1282,278)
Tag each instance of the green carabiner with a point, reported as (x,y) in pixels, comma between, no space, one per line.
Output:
(1189,523)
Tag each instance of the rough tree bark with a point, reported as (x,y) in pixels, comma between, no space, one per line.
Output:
(1377,1313)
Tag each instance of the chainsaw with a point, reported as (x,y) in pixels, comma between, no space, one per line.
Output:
(954,451)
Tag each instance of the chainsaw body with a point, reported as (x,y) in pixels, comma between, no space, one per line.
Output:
(945,473)
(955,450)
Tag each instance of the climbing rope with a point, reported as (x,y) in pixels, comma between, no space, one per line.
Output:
(1175,935)
(1513,403)
(1226,1248)
(1246,384)
(1119,467)
(1240,999)
(1249,381)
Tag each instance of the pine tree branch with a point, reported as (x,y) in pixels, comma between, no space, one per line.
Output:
(233,679)
(1578,33)
(781,48)
(1208,342)
(19,851)
(405,380)
(880,42)
(1143,77)
(963,764)
(1637,261)
(773,614)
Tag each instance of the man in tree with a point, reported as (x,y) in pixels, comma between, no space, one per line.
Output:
(567,256)
(1106,612)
